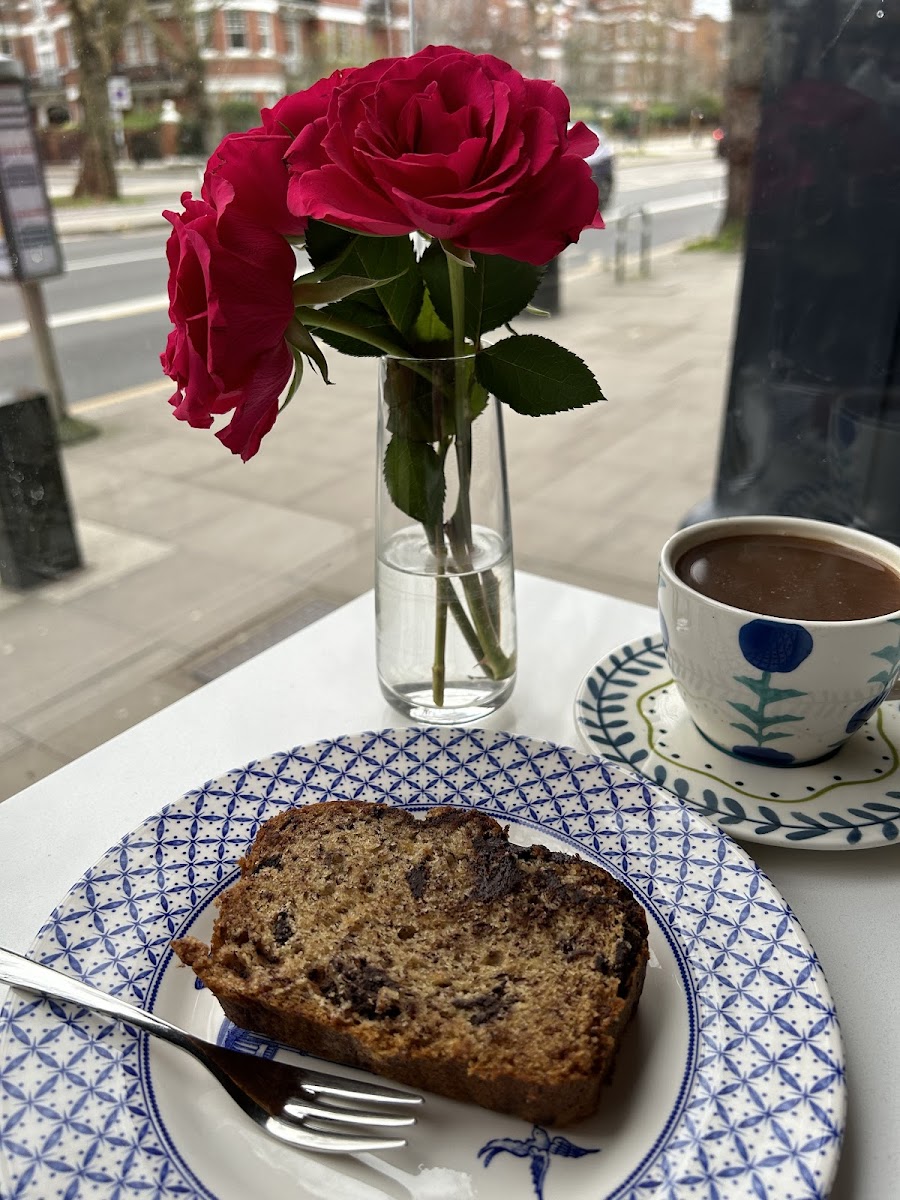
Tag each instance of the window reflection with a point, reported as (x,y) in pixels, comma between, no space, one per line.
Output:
(754,366)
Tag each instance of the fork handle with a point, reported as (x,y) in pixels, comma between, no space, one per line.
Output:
(32,977)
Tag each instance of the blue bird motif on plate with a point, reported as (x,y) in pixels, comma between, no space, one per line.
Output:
(537,1149)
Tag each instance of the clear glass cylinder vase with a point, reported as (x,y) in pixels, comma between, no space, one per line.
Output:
(444,590)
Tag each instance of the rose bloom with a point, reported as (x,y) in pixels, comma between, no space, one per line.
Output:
(230,305)
(455,145)
(231,275)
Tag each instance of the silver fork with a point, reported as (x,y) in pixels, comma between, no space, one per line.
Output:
(303,1108)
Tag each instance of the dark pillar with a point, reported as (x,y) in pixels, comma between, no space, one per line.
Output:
(547,295)
(812,425)
(37,536)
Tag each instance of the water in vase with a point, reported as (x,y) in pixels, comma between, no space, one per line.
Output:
(478,667)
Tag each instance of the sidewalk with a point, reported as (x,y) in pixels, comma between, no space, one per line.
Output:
(145,192)
(195,561)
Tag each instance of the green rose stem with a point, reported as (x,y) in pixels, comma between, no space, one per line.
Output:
(479,632)
(459,529)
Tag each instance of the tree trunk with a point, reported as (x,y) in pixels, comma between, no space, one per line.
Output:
(193,65)
(97,176)
(749,22)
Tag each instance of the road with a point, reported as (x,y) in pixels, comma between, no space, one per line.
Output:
(108,312)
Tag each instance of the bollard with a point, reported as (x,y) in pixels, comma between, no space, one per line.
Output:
(621,247)
(37,534)
(547,295)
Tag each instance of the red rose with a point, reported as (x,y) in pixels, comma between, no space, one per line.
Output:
(456,145)
(230,300)
(253,164)
(294,112)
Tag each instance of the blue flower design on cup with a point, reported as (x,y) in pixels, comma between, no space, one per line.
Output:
(773,647)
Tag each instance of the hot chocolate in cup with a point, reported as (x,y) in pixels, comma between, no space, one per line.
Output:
(782,633)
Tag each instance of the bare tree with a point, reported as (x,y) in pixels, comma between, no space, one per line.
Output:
(481,26)
(743,86)
(183,42)
(97,27)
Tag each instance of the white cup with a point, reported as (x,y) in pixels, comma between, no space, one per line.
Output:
(764,688)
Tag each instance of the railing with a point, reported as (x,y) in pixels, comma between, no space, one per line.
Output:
(623,224)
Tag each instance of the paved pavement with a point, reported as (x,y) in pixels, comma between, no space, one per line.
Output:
(195,560)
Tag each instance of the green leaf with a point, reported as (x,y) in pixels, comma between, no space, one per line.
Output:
(392,260)
(308,291)
(772,737)
(766,721)
(745,710)
(429,328)
(415,479)
(295,381)
(500,290)
(458,252)
(366,311)
(496,291)
(535,376)
(421,402)
(416,409)
(325,243)
(298,336)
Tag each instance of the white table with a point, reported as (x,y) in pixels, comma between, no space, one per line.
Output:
(321,682)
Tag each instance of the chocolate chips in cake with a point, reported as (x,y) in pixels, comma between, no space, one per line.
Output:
(432,951)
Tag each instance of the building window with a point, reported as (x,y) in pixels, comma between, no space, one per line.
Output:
(47,61)
(264,32)
(291,40)
(148,46)
(203,28)
(69,48)
(130,48)
(236,30)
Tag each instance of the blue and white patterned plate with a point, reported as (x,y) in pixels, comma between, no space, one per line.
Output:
(629,709)
(730,1081)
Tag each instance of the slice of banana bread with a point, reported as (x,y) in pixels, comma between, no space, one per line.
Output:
(431,951)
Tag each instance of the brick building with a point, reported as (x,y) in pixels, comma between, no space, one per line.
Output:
(253,50)
(614,52)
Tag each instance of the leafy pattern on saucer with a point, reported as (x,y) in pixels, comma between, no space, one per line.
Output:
(628,710)
(760,1109)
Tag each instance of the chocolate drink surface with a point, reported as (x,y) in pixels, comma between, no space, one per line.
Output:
(783,575)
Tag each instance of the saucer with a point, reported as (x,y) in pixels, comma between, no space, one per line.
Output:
(628,709)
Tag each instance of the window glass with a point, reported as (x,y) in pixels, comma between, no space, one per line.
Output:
(740,310)
(236,29)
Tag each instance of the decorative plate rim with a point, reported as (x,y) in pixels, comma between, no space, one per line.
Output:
(638,831)
(860,826)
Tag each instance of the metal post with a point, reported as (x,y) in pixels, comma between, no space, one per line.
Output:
(35,310)
(645,243)
(621,248)
(621,235)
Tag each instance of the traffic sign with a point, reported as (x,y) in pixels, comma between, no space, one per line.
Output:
(119,89)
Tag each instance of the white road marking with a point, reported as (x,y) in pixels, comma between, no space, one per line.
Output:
(114,260)
(158,303)
(141,391)
(661,207)
(84,316)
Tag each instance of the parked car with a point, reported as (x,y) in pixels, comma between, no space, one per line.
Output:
(720,142)
(603,167)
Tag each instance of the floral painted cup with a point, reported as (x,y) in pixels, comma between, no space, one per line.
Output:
(767,689)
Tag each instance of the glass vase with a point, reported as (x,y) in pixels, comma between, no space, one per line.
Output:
(444,590)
